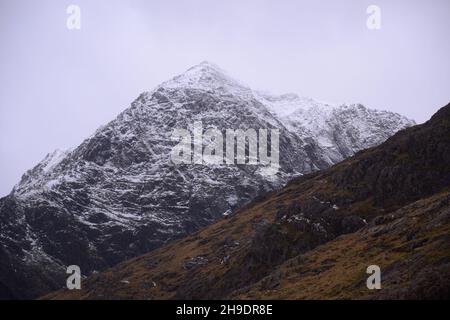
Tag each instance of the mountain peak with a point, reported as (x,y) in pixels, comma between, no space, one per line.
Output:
(207,66)
(207,76)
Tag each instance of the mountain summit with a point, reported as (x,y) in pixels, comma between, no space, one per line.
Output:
(208,76)
(118,194)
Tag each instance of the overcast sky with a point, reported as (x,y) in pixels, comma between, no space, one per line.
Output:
(57,86)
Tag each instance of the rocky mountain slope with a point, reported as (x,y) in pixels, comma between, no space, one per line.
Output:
(118,194)
(387,206)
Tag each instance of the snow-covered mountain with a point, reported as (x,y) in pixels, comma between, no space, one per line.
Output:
(338,130)
(118,194)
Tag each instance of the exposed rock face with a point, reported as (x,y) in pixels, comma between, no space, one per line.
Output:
(118,194)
